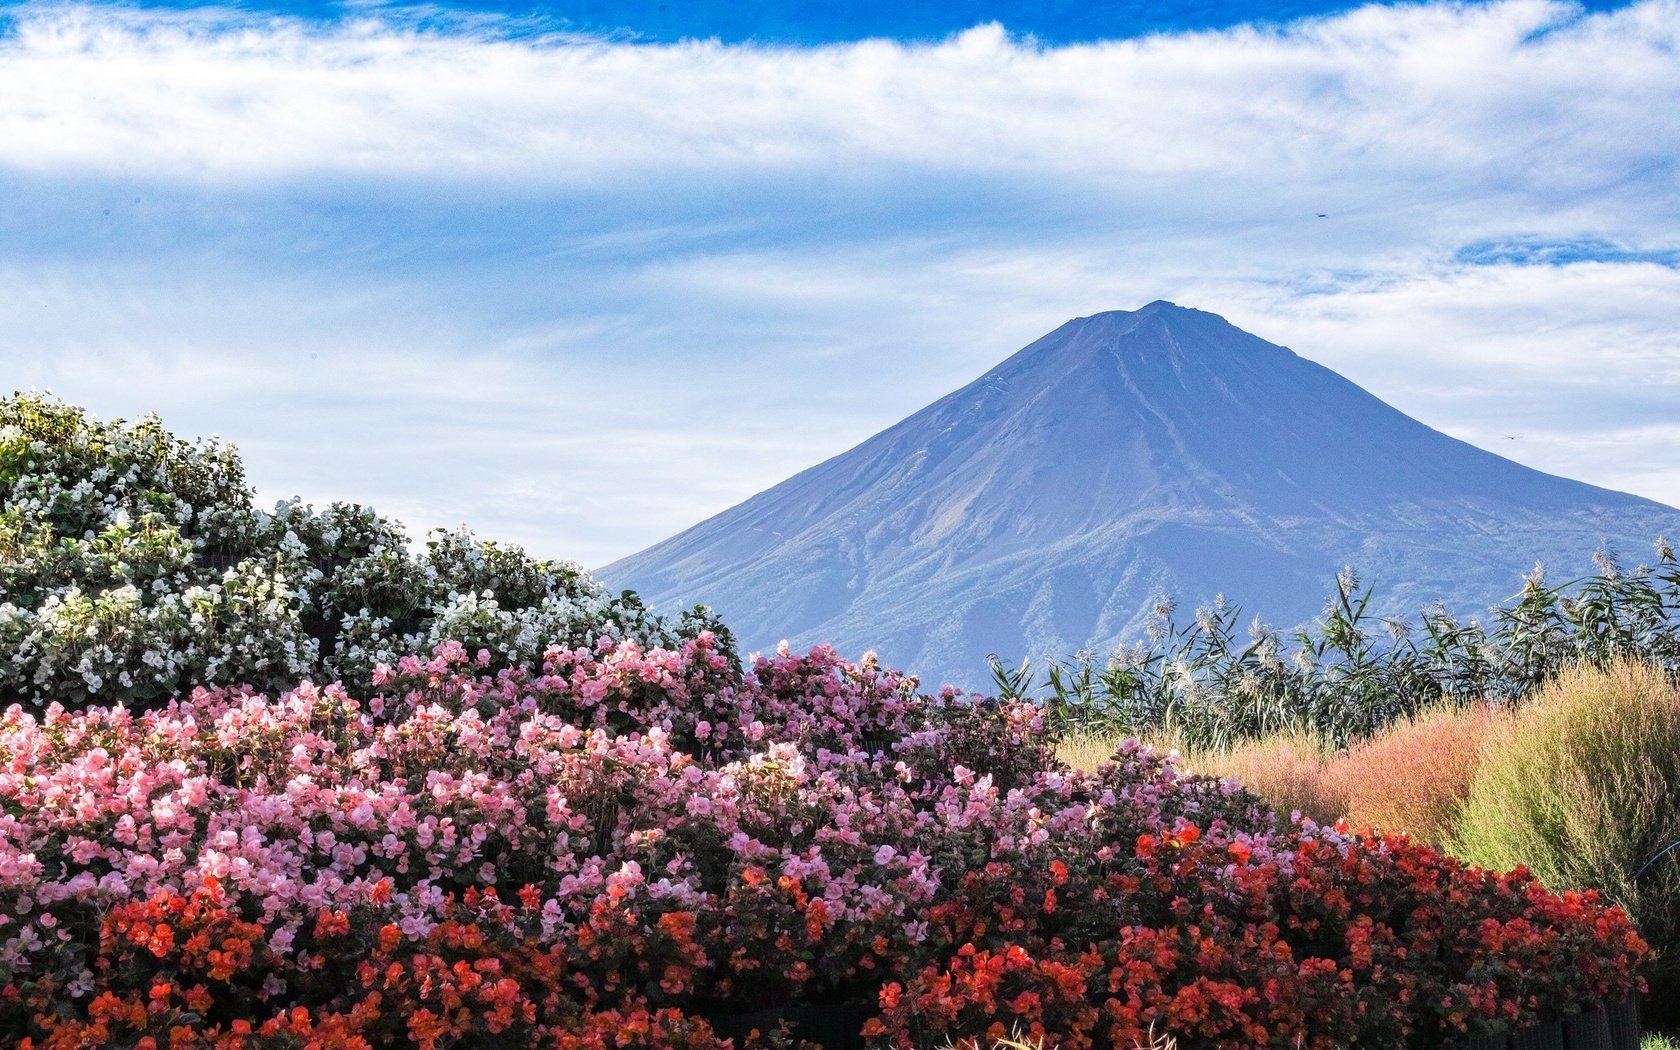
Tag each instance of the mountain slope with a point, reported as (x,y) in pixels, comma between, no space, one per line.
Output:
(1042,507)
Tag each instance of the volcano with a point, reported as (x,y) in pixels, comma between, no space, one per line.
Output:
(1044,508)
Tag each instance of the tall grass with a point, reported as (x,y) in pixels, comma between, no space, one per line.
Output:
(1087,750)
(1412,776)
(1582,785)
(1288,769)
(1211,685)
(1415,775)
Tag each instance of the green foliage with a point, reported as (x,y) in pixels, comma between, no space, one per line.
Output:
(1582,785)
(1351,673)
(135,566)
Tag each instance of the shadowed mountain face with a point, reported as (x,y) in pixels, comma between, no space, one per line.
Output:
(1042,508)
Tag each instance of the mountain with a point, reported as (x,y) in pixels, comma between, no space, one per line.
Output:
(1043,507)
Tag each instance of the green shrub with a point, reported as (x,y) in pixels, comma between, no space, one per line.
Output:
(135,565)
(1582,785)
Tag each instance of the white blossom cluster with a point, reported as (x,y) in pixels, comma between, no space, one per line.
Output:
(134,566)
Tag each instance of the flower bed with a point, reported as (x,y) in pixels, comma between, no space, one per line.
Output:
(614,850)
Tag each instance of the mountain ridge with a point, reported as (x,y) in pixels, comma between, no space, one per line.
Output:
(1040,508)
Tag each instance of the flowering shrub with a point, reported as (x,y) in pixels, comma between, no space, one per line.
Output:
(635,803)
(602,850)
(183,971)
(134,566)
(1315,939)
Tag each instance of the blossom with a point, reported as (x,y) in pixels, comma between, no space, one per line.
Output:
(529,855)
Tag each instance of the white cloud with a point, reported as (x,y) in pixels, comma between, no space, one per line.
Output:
(1572,369)
(1463,91)
(582,293)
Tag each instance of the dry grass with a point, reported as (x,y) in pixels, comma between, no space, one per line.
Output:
(1288,770)
(1415,775)
(1018,1041)
(1412,777)
(1087,751)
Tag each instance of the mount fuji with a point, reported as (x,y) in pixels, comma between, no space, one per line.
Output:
(1043,508)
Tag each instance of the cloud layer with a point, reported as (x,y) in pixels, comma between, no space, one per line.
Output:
(583,293)
(1516,98)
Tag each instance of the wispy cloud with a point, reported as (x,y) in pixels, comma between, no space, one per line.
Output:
(585,292)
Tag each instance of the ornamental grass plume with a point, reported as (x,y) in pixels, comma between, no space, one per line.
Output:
(1415,775)
(1582,786)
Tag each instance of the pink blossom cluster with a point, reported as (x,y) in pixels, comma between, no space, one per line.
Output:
(657,778)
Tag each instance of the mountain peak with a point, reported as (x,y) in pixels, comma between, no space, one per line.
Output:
(1158,315)
(1160,339)
(1159,308)
(1043,507)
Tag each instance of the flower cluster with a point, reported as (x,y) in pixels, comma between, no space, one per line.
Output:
(608,848)
(184,970)
(1318,938)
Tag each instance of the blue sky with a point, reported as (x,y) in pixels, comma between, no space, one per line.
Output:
(583,276)
(811,23)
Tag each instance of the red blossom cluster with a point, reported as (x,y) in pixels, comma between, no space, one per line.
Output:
(1316,939)
(190,972)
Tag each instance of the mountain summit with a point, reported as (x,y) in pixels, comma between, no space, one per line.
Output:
(1042,508)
